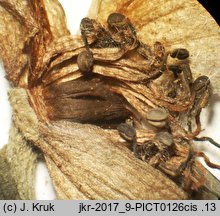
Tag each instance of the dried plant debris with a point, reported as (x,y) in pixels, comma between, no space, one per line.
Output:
(114,113)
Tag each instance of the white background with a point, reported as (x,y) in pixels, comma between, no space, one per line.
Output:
(75,11)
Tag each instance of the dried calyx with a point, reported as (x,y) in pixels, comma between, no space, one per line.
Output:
(105,77)
(129,79)
(156,100)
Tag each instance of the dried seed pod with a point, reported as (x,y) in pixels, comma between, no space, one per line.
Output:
(92,30)
(180,53)
(165,137)
(58,138)
(86,25)
(201,83)
(157,117)
(157,114)
(122,31)
(117,20)
(127,131)
(85,61)
(88,28)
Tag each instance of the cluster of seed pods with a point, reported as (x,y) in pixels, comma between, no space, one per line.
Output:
(163,132)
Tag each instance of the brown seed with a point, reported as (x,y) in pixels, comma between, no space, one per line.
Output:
(116,20)
(85,61)
(127,131)
(180,53)
(157,117)
(86,24)
(157,114)
(201,82)
(165,138)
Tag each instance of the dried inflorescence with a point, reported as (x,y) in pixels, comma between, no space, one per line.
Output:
(142,97)
(173,116)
